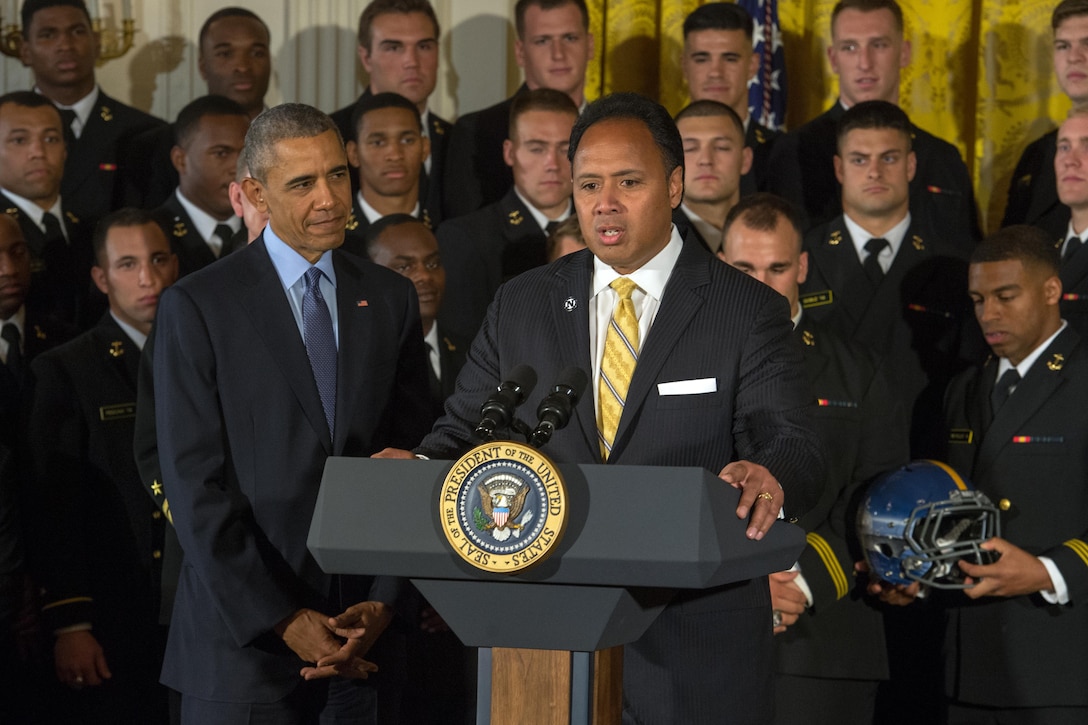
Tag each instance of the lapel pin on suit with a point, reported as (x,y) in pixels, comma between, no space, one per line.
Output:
(570,304)
(918,243)
(362,303)
(1056,363)
(515,217)
(106,114)
(179,229)
(835,238)
(352,224)
(39,333)
(808,338)
(437,127)
(71,217)
(117,349)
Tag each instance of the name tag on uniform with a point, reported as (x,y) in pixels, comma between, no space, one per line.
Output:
(961,435)
(118,411)
(688,387)
(817,299)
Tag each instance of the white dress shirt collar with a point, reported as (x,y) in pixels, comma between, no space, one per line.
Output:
(35,212)
(860,236)
(1027,362)
(539,217)
(19,320)
(431,340)
(372,215)
(205,223)
(138,338)
(651,277)
(82,109)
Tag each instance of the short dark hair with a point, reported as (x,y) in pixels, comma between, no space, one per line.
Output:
(285,121)
(375,230)
(541,99)
(231,12)
(868,6)
(378,101)
(124,217)
(761,211)
(1030,245)
(635,107)
(385,7)
(719,16)
(27,99)
(1067,9)
(211,105)
(569,227)
(874,114)
(707,108)
(523,6)
(30,7)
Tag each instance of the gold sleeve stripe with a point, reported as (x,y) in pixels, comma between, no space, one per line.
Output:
(1080,548)
(831,562)
(62,602)
(951,473)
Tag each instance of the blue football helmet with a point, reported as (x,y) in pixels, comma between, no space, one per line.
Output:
(915,523)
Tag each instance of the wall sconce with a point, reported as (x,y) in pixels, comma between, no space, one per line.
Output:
(112,43)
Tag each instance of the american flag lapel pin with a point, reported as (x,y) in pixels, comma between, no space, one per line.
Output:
(361,303)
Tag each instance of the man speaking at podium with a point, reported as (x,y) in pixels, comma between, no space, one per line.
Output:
(692,364)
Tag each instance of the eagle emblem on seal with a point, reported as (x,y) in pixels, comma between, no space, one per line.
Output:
(502,499)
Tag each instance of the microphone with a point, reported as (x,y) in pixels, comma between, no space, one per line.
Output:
(557,406)
(498,410)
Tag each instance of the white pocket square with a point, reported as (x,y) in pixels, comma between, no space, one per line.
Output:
(688,387)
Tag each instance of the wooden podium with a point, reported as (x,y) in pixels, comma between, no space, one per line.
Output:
(552,635)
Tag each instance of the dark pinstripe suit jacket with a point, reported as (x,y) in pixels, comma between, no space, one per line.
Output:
(709,657)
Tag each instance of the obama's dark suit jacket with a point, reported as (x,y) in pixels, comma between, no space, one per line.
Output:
(242,443)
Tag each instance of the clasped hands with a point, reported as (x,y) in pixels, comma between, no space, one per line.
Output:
(335,645)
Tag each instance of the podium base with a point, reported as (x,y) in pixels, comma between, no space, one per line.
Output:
(550,687)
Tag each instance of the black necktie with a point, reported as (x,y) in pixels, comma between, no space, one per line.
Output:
(320,343)
(872,267)
(67,116)
(11,335)
(53,232)
(224,232)
(1071,248)
(1003,389)
(550,228)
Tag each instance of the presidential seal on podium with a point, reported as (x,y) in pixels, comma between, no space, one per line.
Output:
(503,507)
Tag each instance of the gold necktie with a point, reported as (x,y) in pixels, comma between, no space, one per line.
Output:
(617,365)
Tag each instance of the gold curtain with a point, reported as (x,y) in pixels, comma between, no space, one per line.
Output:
(981,75)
